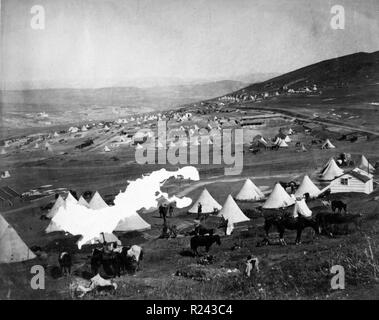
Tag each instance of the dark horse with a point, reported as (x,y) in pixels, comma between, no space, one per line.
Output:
(201,231)
(326,219)
(338,204)
(111,262)
(115,263)
(65,262)
(282,223)
(204,241)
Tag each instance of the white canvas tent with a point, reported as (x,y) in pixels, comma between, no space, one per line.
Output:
(281,143)
(5,174)
(70,199)
(249,191)
(307,186)
(301,209)
(365,165)
(48,146)
(132,223)
(83,202)
(58,203)
(207,202)
(327,145)
(106,149)
(231,212)
(97,202)
(12,248)
(278,198)
(331,171)
(2,152)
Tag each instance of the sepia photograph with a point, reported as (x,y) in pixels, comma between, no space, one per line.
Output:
(194,154)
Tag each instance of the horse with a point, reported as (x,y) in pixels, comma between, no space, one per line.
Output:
(338,204)
(204,241)
(325,219)
(65,263)
(202,231)
(282,223)
(112,262)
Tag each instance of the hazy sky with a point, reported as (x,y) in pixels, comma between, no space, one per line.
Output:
(93,43)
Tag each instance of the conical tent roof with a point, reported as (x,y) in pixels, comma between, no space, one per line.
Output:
(106,149)
(48,146)
(302,209)
(327,145)
(207,202)
(326,165)
(132,223)
(365,165)
(97,202)
(70,199)
(5,174)
(3,151)
(83,202)
(278,198)
(331,171)
(281,143)
(231,212)
(307,186)
(12,248)
(58,203)
(249,191)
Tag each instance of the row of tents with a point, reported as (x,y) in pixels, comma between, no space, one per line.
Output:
(278,198)
(131,223)
(331,170)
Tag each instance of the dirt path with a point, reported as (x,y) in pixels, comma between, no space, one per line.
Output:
(307,118)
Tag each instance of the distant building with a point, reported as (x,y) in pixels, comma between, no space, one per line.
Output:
(352,181)
(355,136)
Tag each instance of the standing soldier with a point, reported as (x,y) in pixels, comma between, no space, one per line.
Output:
(199,210)
(171,210)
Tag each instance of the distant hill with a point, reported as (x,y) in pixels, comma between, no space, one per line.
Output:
(254,77)
(151,98)
(355,70)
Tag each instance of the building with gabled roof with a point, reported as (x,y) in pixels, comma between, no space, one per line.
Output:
(352,181)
